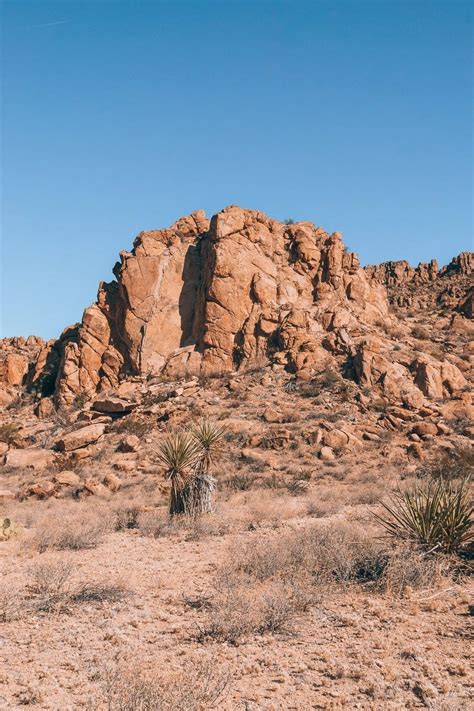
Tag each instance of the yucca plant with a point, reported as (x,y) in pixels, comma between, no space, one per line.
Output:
(179,452)
(208,435)
(438,516)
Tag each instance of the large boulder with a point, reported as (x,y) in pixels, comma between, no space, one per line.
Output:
(437,379)
(33,458)
(80,438)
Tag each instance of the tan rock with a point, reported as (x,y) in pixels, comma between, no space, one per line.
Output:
(14,369)
(43,489)
(96,488)
(130,443)
(425,428)
(80,438)
(336,439)
(125,466)
(326,454)
(67,478)
(112,404)
(272,416)
(112,481)
(6,397)
(438,380)
(33,458)
(44,408)
(3,449)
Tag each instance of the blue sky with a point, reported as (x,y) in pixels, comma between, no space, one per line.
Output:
(120,116)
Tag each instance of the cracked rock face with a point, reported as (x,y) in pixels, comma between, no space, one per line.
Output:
(240,290)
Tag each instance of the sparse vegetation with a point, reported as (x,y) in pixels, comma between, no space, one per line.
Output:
(77,531)
(199,685)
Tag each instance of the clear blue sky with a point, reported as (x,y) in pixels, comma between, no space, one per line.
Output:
(120,116)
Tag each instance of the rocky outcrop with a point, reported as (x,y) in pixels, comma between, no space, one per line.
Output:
(241,290)
(398,273)
(219,296)
(426,286)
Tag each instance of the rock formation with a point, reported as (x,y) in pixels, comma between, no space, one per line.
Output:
(243,290)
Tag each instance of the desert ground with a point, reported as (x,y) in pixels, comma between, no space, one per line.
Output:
(287,596)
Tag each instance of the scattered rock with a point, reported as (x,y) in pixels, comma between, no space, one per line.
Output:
(272,416)
(43,489)
(95,487)
(416,450)
(336,439)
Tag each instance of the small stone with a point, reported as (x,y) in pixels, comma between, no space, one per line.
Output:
(112,481)
(67,478)
(326,454)
(130,443)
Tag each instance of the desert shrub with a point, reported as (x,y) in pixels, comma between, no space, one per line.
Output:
(239,482)
(127,517)
(53,589)
(10,603)
(236,610)
(179,453)
(460,425)
(263,585)
(99,592)
(409,569)
(437,515)
(80,400)
(133,424)
(208,434)
(298,484)
(9,433)
(51,585)
(337,553)
(75,531)
(154,523)
(199,685)
(458,464)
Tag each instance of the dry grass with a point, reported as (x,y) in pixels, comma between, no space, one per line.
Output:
(264,585)
(51,585)
(77,530)
(199,685)
(10,603)
(53,588)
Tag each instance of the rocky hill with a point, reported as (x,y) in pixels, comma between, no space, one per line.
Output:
(240,290)
(238,295)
